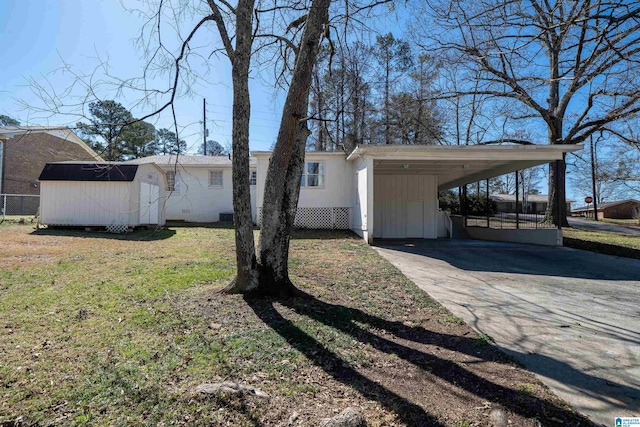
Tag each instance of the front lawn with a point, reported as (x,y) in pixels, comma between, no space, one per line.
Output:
(100,329)
(625,245)
(626,222)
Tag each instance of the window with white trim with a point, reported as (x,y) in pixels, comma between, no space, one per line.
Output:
(215,178)
(171,180)
(253,178)
(313,175)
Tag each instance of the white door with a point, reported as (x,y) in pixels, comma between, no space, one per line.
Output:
(415,219)
(149,203)
(405,206)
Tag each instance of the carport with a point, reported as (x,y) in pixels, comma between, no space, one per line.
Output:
(397,186)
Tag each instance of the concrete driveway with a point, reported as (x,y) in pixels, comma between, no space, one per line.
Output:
(601,226)
(570,316)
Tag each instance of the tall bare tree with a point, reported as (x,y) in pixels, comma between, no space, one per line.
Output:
(238,26)
(282,186)
(571,65)
(394,59)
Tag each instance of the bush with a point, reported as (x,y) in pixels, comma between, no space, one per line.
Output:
(476,203)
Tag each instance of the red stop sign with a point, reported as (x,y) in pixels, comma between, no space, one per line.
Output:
(588,199)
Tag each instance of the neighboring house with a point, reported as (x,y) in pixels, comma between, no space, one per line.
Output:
(623,209)
(527,203)
(112,195)
(24,151)
(199,188)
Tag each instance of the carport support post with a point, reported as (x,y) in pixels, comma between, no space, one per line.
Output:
(517,209)
(558,166)
(370,192)
(488,206)
(463,207)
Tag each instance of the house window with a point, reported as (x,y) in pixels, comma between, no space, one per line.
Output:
(215,178)
(313,175)
(253,178)
(171,180)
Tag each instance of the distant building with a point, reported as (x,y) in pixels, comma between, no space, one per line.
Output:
(24,150)
(623,209)
(527,203)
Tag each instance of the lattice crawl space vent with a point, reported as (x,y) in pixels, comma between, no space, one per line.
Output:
(117,228)
(319,218)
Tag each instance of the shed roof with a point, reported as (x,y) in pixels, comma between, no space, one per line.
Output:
(88,171)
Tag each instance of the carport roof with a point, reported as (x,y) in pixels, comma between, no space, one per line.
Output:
(457,165)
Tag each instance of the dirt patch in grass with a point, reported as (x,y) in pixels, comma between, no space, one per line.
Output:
(115,331)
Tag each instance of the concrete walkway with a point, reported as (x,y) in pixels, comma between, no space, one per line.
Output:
(601,226)
(570,316)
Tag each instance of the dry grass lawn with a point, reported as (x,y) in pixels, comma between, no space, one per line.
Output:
(99,329)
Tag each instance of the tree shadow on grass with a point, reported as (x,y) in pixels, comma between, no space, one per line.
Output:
(348,320)
(410,413)
(138,235)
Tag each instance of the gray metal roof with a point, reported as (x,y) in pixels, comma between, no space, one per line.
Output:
(188,160)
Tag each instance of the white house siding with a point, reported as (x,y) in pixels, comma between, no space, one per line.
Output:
(90,203)
(329,206)
(337,191)
(405,206)
(194,200)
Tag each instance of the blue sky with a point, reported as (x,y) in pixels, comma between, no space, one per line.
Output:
(39,36)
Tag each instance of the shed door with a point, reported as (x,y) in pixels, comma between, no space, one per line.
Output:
(149,203)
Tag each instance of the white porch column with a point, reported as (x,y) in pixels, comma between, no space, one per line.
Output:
(368,233)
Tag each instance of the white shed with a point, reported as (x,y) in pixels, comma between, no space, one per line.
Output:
(112,195)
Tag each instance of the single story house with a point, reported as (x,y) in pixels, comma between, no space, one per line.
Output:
(112,195)
(527,203)
(623,209)
(378,191)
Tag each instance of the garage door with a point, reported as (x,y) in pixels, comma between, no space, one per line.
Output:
(405,206)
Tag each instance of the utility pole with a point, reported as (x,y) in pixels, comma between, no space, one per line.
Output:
(593,180)
(204,126)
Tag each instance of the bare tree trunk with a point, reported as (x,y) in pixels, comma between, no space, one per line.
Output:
(556,212)
(282,184)
(387,128)
(247,272)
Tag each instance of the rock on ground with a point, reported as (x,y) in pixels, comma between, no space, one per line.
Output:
(350,417)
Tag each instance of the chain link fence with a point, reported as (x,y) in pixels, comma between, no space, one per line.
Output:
(19,204)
